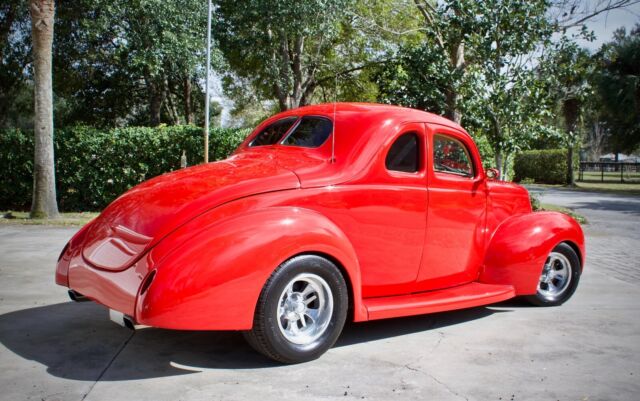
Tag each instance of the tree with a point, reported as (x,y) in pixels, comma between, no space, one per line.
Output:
(448,26)
(124,62)
(286,53)
(567,70)
(44,185)
(618,85)
(475,65)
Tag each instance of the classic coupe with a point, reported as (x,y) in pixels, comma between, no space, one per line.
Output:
(324,213)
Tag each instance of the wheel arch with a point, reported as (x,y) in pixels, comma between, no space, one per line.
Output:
(578,252)
(518,248)
(345,276)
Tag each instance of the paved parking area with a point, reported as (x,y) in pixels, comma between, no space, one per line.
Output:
(588,349)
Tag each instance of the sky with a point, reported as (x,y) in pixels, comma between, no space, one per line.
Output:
(605,24)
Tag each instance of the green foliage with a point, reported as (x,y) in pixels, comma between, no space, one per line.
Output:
(533,198)
(94,166)
(475,61)
(619,88)
(120,62)
(419,78)
(547,166)
(15,52)
(298,53)
(16,164)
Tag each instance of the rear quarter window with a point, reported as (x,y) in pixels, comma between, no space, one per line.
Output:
(404,154)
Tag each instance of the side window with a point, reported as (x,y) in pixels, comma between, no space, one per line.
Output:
(451,156)
(311,132)
(404,154)
(273,132)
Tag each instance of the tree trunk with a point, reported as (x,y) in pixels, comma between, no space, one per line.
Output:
(571,110)
(570,179)
(497,155)
(504,167)
(188,112)
(157,94)
(456,57)
(44,203)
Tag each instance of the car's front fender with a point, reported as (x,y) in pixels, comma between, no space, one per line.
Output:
(212,280)
(519,247)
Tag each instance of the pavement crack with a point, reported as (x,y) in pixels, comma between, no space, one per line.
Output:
(124,344)
(441,334)
(441,383)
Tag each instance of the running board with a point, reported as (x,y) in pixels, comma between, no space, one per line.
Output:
(460,297)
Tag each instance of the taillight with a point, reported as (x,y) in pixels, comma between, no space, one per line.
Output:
(147,282)
(64,250)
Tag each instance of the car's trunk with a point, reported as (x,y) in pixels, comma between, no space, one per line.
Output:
(142,216)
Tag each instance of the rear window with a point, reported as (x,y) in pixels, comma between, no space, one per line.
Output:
(273,132)
(311,132)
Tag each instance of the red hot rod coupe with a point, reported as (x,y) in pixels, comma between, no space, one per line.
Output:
(323,213)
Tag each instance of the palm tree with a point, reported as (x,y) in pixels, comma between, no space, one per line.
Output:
(44,203)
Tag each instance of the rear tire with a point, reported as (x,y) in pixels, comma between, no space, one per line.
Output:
(301,310)
(559,278)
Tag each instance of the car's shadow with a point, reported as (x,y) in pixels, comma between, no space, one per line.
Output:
(77,341)
(626,206)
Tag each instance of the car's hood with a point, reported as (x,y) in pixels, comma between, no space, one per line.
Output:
(145,214)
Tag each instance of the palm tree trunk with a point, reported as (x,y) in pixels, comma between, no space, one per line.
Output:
(44,203)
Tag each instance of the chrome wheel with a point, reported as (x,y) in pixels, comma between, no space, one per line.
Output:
(301,310)
(556,276)
(305,308)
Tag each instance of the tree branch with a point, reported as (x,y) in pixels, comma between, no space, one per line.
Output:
(588,14)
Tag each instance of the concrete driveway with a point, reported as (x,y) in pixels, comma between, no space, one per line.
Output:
(588,349)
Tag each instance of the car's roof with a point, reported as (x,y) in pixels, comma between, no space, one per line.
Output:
(375,111)
(360,129)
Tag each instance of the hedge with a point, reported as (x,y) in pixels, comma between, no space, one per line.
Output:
(95,166)
(548,166)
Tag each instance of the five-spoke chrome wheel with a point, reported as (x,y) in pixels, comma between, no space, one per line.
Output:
(301,310)
(559,277)
(305,309)
(556,275)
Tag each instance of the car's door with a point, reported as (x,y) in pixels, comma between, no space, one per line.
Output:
(456,215)
(388,214)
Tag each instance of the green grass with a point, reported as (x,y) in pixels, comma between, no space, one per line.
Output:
(555,208)
(66,219)
(632,177)
(611,187)
(606,187)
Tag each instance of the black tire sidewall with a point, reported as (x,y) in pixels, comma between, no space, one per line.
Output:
(576,271)
(283,348)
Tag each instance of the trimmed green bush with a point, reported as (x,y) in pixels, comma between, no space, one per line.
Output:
(94,166)
(547,166)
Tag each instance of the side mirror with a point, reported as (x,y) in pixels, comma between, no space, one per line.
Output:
(493,174)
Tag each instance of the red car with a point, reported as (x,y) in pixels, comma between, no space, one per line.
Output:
(324,213)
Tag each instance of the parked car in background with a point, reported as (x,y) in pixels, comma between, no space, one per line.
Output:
(324,213)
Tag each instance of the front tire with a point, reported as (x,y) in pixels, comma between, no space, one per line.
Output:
(301,310)
(559,278)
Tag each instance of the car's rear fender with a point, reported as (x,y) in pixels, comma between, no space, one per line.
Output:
(519,247)
(212,281)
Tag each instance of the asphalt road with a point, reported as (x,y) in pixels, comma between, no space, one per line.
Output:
(588,349)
